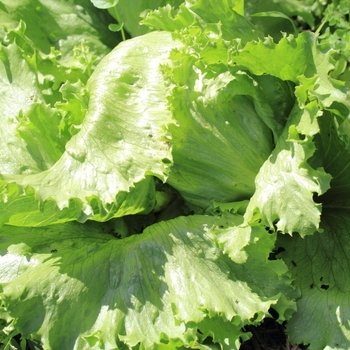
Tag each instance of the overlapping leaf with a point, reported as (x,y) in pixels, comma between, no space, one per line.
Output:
(221,130)
(62,24)
(76,286)
(320,267)
(129,13)
(229,115)
(286,183)
(120,141)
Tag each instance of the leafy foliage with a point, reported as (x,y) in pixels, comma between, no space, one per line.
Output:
(178,188)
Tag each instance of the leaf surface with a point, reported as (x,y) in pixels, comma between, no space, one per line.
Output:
(120,140)
(319,266)
(78,287)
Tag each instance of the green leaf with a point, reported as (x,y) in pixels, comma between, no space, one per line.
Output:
(116,27)
(169,19)
(229,17)
(212,135)
(104,4)
(72,108)
(287,59)
(39,127)
(103,160)
(18,91)
(60,24)
(333,154)
(276,14)
(286,183)
(131,13)
(274,24)
(74,285)
(199,21)
(250,247)
(320,265)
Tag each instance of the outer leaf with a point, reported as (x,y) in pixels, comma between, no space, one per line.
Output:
(61,24)
(248,246)
(21,206)
(18,88)
(120,141)
(320,267)
(165,18)
(205,15)
(129,13)
(286,184)
(228,13)
(296,59)
(286,60)
(88,290)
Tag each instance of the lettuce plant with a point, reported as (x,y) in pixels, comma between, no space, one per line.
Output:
(169,190)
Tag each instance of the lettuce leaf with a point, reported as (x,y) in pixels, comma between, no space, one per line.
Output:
(77,286)
(103,160)
(287,184)
(212,136)
(128,14)
(62,24)
(212,103)
(205,114)
(319,265)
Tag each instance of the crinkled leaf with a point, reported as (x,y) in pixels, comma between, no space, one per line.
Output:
(73,107)
(225,126)
(194,15)
(165,18)
(218,329)
(61,24)
(320,267)
(39,127)
(57,50)
(230,15)
(120,141)
(286,183)
(74,285)
(22,207)
(296,59)
(249,248)
(129,12)
(287,59)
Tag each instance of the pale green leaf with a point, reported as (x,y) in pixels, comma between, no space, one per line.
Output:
(286,183)
(130,13)
(18,91)
(76,286)
(226,126)
(120,141)
(287,59)
(60,24)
